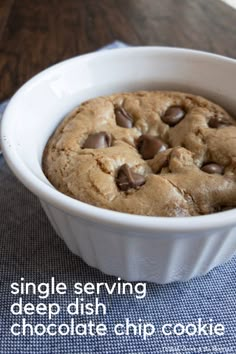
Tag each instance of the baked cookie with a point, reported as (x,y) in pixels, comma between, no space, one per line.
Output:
(148,153)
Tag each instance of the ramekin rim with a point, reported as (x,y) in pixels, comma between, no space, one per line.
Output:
(96,214)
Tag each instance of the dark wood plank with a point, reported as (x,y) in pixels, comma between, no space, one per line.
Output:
(5,9)
(39,33)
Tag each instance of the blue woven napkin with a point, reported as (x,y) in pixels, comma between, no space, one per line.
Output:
(30,249)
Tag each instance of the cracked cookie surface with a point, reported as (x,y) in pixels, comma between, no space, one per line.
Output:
(149,153)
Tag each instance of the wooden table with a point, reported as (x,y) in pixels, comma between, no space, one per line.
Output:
(37,33)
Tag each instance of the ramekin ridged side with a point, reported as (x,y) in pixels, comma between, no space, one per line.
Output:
(136,256)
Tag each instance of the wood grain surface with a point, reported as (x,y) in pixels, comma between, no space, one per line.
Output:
(35,34)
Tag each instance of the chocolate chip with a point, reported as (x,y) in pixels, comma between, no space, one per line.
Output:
(126,178)
(97,141)
(148,146)
(213,168)
(173,115)
(163,162)
(123,118)
(227,208)
(219,122)
(223,208)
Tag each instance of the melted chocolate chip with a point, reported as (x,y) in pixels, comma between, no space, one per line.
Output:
(148,146)
(223,208)
(163,162)
(213,168)
(219,122)
(127,179)
(123,118)
(97,141)
(173,115)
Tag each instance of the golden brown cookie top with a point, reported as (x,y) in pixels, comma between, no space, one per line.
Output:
(148,153)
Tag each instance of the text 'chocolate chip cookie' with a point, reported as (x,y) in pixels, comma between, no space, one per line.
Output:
(153,153)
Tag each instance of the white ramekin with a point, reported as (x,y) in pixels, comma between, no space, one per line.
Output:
(133,247)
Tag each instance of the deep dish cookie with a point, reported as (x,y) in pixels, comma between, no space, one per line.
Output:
(149,153)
